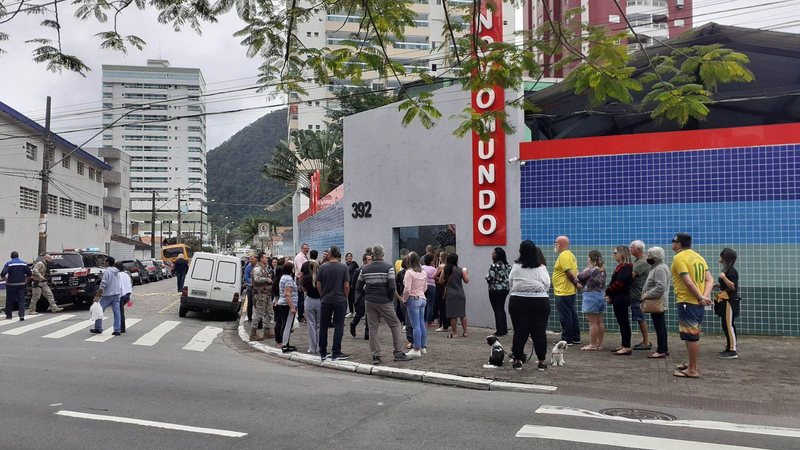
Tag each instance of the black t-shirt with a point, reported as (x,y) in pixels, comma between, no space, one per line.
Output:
(733,276)
(308,285)
(332,276)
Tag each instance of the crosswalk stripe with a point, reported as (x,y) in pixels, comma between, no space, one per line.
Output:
(618,439)
(83,325)
(24,329)
(106,335)
(203,339)
(13,321)
(153,336)
(701,424)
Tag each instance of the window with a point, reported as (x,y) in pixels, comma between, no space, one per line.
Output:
(311,127)
(30,151)
(226,272)
(52,204)
(680,23)
(80,210)
(80,167)
(65,160)
(107,95)
(316,34)
(195,159)
(308,34)
(149,179)
(51,154)
(316,127)
(149,169)
(94,210)
(107,105)
(65,207)
(195,139)
(195,150)
(91,173)
(28,198)
(194,108)
(150,158)
(202,268)
(2,226)
(98,176)
(197,129)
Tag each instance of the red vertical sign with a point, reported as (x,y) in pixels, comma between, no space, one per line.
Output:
(488,157)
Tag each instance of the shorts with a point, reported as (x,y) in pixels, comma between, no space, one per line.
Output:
(636,311)
(593,302)
(690,317)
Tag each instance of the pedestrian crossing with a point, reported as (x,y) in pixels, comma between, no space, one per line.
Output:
(146,332)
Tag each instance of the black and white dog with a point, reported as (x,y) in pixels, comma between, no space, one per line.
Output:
(497,356)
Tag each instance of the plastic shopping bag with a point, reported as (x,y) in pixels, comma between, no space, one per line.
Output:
(96,311)
(295,323)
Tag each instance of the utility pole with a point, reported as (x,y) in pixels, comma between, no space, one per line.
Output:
(45,183)
(201,226)
(161,232)
(178,240)
(153,227)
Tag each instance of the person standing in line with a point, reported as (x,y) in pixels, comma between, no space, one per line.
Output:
(352,268)
(361,308)
(286,306)
(313,304)
(378,282)
(41,274)
(248,284)
(180,269)
(108,294)
(415,283)
(299,260)
(593,282)
(400,306)
(690,274)
(565,282)
(333,284)
(497,279)
(430,290)
(529,305)
(125,289)
(640,271)
(618,293)
(728,299)
(398,264)
(261,288)
(278,274)
(15,273)
(657,287)
(455,298)
(441,286)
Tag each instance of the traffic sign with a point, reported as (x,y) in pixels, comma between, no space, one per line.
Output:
(263,230)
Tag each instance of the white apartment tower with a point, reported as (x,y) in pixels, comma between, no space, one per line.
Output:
(164,132)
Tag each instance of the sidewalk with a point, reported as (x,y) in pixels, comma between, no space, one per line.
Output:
(765,376)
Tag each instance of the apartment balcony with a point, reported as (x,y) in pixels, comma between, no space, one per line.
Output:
(112,177)
(114,203)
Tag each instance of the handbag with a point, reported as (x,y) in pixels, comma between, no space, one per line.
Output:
(652,306)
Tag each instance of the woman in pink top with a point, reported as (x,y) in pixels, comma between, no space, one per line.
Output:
(416,282)
(430,290)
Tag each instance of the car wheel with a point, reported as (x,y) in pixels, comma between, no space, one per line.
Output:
(182,311)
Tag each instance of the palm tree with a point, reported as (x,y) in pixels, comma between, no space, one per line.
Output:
(314,150)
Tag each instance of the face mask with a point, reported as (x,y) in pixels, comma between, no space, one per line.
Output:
(651,261)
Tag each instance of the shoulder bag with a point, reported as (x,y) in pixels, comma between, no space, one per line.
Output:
(652,306)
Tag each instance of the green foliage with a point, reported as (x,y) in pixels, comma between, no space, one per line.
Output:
(248,228)
(355,100)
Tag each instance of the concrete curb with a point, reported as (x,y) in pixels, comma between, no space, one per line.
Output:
(398,373)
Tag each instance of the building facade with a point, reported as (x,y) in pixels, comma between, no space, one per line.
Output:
(117,181)
(164,132)
(76,217)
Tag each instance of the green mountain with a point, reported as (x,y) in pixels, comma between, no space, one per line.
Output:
(234,178)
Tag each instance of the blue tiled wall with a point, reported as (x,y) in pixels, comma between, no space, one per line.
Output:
(323,229)
(744,198)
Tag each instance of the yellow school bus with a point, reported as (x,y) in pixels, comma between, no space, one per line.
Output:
(171,252)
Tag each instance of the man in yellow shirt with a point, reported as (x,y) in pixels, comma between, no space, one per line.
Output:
(690,274)
(565,280)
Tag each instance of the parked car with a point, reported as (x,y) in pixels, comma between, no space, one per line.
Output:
(153,271)
(165,272)
(137,270)
(213,283)
(74,277)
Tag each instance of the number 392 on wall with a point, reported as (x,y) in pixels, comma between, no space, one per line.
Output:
(362,210)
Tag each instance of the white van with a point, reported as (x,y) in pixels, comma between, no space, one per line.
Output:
(213,283)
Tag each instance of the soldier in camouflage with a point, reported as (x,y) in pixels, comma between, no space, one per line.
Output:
(261,297)
(40,287)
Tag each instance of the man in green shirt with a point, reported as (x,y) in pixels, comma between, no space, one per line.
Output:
(565,283)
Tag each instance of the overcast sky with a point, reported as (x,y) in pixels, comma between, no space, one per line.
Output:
(24,84)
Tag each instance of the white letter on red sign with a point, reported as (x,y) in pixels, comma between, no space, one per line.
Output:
(486,21)
(484,230)
(486,174)
(486,199)
(486,151)
(488,93)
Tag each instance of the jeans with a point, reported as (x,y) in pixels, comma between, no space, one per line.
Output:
(281,315)
(529,316)
(377,312)
(416,315)
(15,299)
(301,300)
(338,310)
(430,298)
(498,301)
(181,278)
(621,306)
(568,316)
(122,302)
(660,324)
(105,301)
(313,314)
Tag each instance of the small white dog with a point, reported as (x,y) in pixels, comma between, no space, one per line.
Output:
(557,354)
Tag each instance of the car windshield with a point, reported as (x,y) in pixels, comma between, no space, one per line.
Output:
(172,252)
(129,265)
(93,260)
(66,261)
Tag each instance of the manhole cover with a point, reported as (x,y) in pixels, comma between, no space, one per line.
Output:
(637,414)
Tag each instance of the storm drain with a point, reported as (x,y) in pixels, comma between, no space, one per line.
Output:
(637,414)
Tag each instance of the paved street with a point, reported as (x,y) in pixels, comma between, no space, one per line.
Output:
(66,389)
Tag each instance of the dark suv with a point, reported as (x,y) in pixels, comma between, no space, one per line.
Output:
(74,277)
(137,270)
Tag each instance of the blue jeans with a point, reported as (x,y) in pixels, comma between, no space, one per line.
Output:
(416,312)
(568,316)
(181,278)
(337,310)
(430,297)
(105,301)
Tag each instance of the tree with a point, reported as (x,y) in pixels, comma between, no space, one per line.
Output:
(248,229)
(314,150)
(353,101)
(269,31)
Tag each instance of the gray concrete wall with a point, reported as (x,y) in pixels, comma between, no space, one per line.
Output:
(415,176)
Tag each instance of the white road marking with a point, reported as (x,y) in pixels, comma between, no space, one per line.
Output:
(153,336)
(56,404)
(618,439)
(5,322)
(106,335)
(80,326)
(24,329)
(702,424)
(203,339)
(150,423)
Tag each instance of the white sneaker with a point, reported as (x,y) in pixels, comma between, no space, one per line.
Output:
(424,350)
(349,315)
(414,354)
(404,328)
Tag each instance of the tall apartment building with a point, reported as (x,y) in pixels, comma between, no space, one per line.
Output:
(653,21)
(164,133)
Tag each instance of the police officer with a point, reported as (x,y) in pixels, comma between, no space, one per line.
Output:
(40,287)
(16,273)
